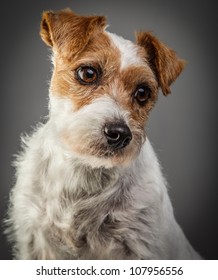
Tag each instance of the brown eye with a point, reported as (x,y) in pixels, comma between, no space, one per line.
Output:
(87,75)
(142,94)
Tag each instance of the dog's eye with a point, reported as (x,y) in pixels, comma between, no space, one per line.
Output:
(142,94)
(87,75)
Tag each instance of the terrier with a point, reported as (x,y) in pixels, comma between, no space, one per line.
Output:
(89,185)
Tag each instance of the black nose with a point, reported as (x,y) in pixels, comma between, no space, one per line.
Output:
(118,135)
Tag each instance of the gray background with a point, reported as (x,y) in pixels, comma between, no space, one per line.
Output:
(182,127)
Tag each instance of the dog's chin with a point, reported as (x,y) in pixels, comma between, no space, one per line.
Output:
(109,159)
(108,162)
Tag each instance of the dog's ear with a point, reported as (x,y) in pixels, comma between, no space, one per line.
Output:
(68,32)
(163,60)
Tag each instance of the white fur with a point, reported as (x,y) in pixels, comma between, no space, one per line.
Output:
(128,51)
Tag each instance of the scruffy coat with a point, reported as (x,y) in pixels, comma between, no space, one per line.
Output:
(74,198)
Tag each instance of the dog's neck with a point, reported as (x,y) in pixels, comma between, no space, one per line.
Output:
(88,181)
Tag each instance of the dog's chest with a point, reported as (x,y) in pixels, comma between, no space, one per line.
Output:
(106,225)
(113,222)
(101,234)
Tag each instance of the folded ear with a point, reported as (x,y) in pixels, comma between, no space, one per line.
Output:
(67,32)
(163,60)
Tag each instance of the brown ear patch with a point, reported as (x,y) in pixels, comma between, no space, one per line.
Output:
(45,30)
(68,32)
(163,60)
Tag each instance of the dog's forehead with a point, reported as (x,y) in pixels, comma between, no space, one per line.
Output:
(113,51)
(130,53)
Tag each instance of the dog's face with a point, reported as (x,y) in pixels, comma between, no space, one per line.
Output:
(103,86)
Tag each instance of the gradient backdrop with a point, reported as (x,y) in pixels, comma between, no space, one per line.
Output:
(182,126)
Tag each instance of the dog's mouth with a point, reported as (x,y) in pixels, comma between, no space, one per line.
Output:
(105,150)
(112,153)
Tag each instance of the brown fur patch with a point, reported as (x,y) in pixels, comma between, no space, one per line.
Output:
(163,60)
(119,84)
(98,54)
(130,79)
(67,32)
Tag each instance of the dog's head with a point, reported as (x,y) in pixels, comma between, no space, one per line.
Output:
(103,86)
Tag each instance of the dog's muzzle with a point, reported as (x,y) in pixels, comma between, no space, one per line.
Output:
(118,135)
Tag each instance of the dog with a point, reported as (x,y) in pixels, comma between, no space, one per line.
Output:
(88,182)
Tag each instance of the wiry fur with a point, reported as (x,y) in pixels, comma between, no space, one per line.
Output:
(75,197)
